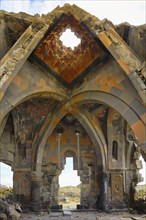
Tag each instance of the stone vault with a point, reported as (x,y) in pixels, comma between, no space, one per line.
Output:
(87,102)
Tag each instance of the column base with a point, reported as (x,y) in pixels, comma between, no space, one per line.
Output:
(56,207)
(35,206)
(102,204)
(82,207)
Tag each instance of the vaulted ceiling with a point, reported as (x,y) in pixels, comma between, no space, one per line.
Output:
(66,64)
(69,66)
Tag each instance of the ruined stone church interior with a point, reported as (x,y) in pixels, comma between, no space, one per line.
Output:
(86,102)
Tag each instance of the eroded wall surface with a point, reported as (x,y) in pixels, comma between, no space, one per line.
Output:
(87,103)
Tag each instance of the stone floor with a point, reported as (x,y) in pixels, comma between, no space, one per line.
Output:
(83,216)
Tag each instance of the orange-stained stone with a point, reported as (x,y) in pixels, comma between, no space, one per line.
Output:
(124,66)
(84,141)
(110,118)
(104,39)
(1,95)
(63,111)
(140,130)
(112,82)
(54,159)
(42,82)
(143,117)
(75,111)
(52,147)
(17,80)
(104,87)
(55,121)
(64,61)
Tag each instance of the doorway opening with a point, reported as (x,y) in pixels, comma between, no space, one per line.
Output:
(141,186)
(69,181)
(6,180)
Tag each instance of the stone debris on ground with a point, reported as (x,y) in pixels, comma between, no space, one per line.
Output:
(139,218)
(67,213)
(10,211)
(3,216)
(82,216)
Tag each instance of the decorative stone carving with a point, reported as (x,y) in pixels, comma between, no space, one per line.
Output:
(131,136)
(64,60)
(137,165)
(32,116)
(20,52)
(25,185)
(117,187)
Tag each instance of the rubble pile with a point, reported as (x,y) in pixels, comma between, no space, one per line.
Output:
(9,211)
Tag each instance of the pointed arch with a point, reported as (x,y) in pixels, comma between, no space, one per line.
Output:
(135,117)
(45,91)
(97,137)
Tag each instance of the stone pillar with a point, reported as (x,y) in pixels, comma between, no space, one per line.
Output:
(58,143)
(55,191)
(59,131)
(103,179)
(35,192)
(78,149)
(50,185)
(22,186)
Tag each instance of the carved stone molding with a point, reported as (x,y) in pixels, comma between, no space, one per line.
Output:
(117,187)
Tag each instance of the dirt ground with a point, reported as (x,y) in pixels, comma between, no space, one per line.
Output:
(82,216)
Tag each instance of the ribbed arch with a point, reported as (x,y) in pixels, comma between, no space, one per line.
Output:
(130,114)
(50,125)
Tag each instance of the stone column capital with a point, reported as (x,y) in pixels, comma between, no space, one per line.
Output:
(35,177)
(103,176)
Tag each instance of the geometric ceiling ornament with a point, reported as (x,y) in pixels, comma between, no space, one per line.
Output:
(69,39)
(62,61)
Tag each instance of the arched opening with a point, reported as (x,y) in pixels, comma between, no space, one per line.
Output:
(68,139)
(69,181)
(6,180)
(140,192)
(121,106)
(35,120)
(143,171)
(7,143)
(6,175)
(137,191)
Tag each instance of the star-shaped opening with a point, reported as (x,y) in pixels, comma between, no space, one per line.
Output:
(68,61)
(69,39)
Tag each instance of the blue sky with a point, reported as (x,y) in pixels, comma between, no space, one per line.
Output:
(6,175)
(132,11)
(67,178)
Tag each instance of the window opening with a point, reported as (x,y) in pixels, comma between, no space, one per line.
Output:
(69,39)
(115,150)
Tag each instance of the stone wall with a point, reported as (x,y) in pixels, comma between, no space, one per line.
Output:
(97,115)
